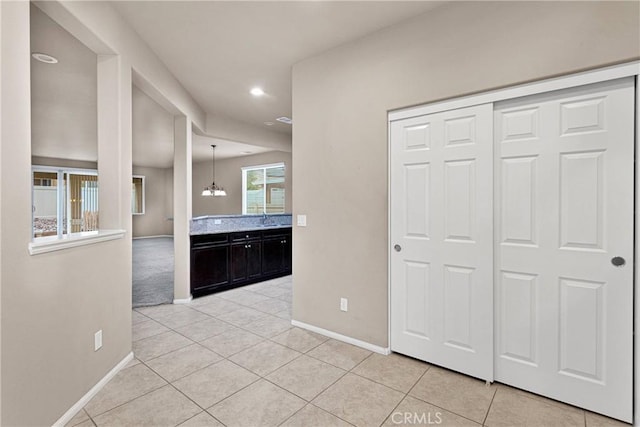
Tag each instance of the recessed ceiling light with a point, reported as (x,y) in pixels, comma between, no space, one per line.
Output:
(256,91)
(43,57)
(284,119)
(268,123)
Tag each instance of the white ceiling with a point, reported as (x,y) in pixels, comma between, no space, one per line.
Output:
(224,149)
(153,137)
(64,107)
(219,50)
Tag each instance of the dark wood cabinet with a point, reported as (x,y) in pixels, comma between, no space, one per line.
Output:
(209,263)
(226,260)
(246,260)
(277,252)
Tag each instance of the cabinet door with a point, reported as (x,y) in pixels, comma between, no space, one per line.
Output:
(254,260)
(209,267)
(238,262)
(286,253)
(272,255)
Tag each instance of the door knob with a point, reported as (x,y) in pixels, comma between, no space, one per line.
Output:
(397,248)
(618,261)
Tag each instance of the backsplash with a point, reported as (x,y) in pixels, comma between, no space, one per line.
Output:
(229,223)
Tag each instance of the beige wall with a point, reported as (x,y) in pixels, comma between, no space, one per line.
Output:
(158,216)
(63,163)
(340,104)
(152,132)
(61,92)
(229,175)
(1,223)
(52,304)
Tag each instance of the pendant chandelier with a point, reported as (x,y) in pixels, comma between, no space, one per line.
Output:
(213,189)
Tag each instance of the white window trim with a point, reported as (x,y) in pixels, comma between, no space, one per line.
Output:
(55,243)
(244,182)
(144,185)
(59,170)
(47,244)
(270,165)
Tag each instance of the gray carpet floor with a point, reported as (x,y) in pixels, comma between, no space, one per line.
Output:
(152,271)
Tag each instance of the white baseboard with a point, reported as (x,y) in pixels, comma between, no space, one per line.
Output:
(184,300)
(343,338)
(153,237)
(94,390)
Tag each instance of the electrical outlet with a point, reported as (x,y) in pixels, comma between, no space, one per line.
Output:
(97,340)
(302,220)
(217,221)
(344,304)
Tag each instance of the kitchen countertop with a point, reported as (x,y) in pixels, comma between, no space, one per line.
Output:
(242,229)
(216,224)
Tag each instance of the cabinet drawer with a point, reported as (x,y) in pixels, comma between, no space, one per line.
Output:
(245,235)
(277,232)
(209,239)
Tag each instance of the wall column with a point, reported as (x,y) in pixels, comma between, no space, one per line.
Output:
(110,144)
(15,177)
(182,208)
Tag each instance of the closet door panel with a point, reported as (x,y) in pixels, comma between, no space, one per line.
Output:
(442,239)
(565,197)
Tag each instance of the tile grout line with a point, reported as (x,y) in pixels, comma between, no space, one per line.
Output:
(199,413)
(128,401)
(489,407)
(90,417)
(192,342)
(264,377)
(270,339)
(393,410)
(436,405)
(309,402)
(377,382)
(265,339)
(171,329)
(324,410)
(314,397)
(180,391)
(433,404)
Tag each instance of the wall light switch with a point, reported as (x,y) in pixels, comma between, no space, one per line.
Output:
(302,220)
(97,340)
(344,304)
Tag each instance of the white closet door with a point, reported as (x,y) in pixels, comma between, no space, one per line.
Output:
(441,226)
(564,206)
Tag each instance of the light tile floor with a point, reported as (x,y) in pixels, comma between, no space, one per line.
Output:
(234,359)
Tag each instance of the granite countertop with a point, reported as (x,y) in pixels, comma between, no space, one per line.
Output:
(240,229)
(217,224)
(247,217)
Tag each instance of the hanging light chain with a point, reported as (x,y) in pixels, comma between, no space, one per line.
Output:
(213,189)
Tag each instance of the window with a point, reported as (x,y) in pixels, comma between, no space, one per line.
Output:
(65,201)
(137,195)
(263,189)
